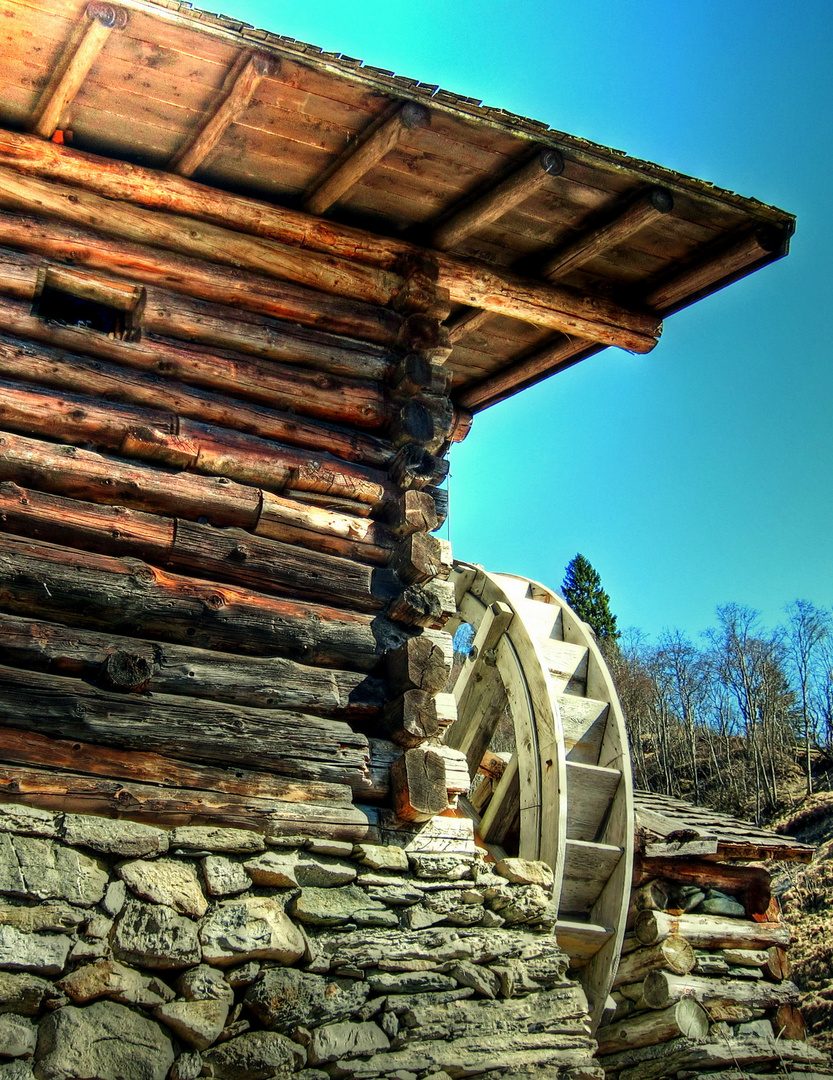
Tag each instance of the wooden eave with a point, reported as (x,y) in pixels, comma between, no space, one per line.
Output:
(268,117)
(671,828)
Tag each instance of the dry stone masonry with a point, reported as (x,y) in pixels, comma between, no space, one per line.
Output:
(129,952)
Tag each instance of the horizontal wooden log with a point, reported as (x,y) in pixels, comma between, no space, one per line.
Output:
(63,371)
(661,989)
(236,93)
(362,154)
(238,331)
(260,682)
(20,747)
(156,436)
(414,511)
(687,1018)
(710,931)
(673,953)
(286,743)
(199,240)
(228,555)
(467,281)
(292,368)
(170,806)
(86,475)
(130,597)
(422,662)
(788,1023)
(556,355)
(201,279)
(751,884)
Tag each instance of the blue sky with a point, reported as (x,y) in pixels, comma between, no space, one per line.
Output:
(701,473)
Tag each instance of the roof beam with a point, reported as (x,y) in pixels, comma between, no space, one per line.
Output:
(717,268)
(494,203)
(239,85)
(77,58)
(647,207)
(562,352)
(361,156)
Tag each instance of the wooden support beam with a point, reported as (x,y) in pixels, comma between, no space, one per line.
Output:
(716,268)
(421,663)
(502,197)
(360,157)
(241,82)
(467,322)
(74,65)
(468,281)
(647,207)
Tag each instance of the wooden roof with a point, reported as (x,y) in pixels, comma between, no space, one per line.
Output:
(669,827)
(182,90)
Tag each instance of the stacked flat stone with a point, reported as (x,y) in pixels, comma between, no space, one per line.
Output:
(129,952)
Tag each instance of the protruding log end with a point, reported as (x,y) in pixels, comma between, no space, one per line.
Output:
(551,161)
(266,66)
(126,671)
(422,662)
(109,15)
(661,200)
(418,784)
(413,115)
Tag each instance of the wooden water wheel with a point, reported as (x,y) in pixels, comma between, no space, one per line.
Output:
(542,728)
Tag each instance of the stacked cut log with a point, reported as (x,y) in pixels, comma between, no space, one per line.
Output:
(703,984)
(218,573)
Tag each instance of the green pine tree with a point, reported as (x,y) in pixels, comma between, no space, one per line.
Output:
(583,591)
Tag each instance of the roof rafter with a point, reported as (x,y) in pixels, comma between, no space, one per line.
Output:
(240,84)
(361,156)
(502,197)
(78,56)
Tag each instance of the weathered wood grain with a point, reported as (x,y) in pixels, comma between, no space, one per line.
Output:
(130,597)
(169,806)
(229,555)
(286,743)
(201,279)
(261,682)
(156,436)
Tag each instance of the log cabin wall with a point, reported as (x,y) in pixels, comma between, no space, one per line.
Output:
(218,572)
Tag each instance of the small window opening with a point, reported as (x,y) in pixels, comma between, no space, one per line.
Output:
(58,306)
(75,298)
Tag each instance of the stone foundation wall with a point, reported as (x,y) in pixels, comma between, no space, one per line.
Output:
(129,952)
